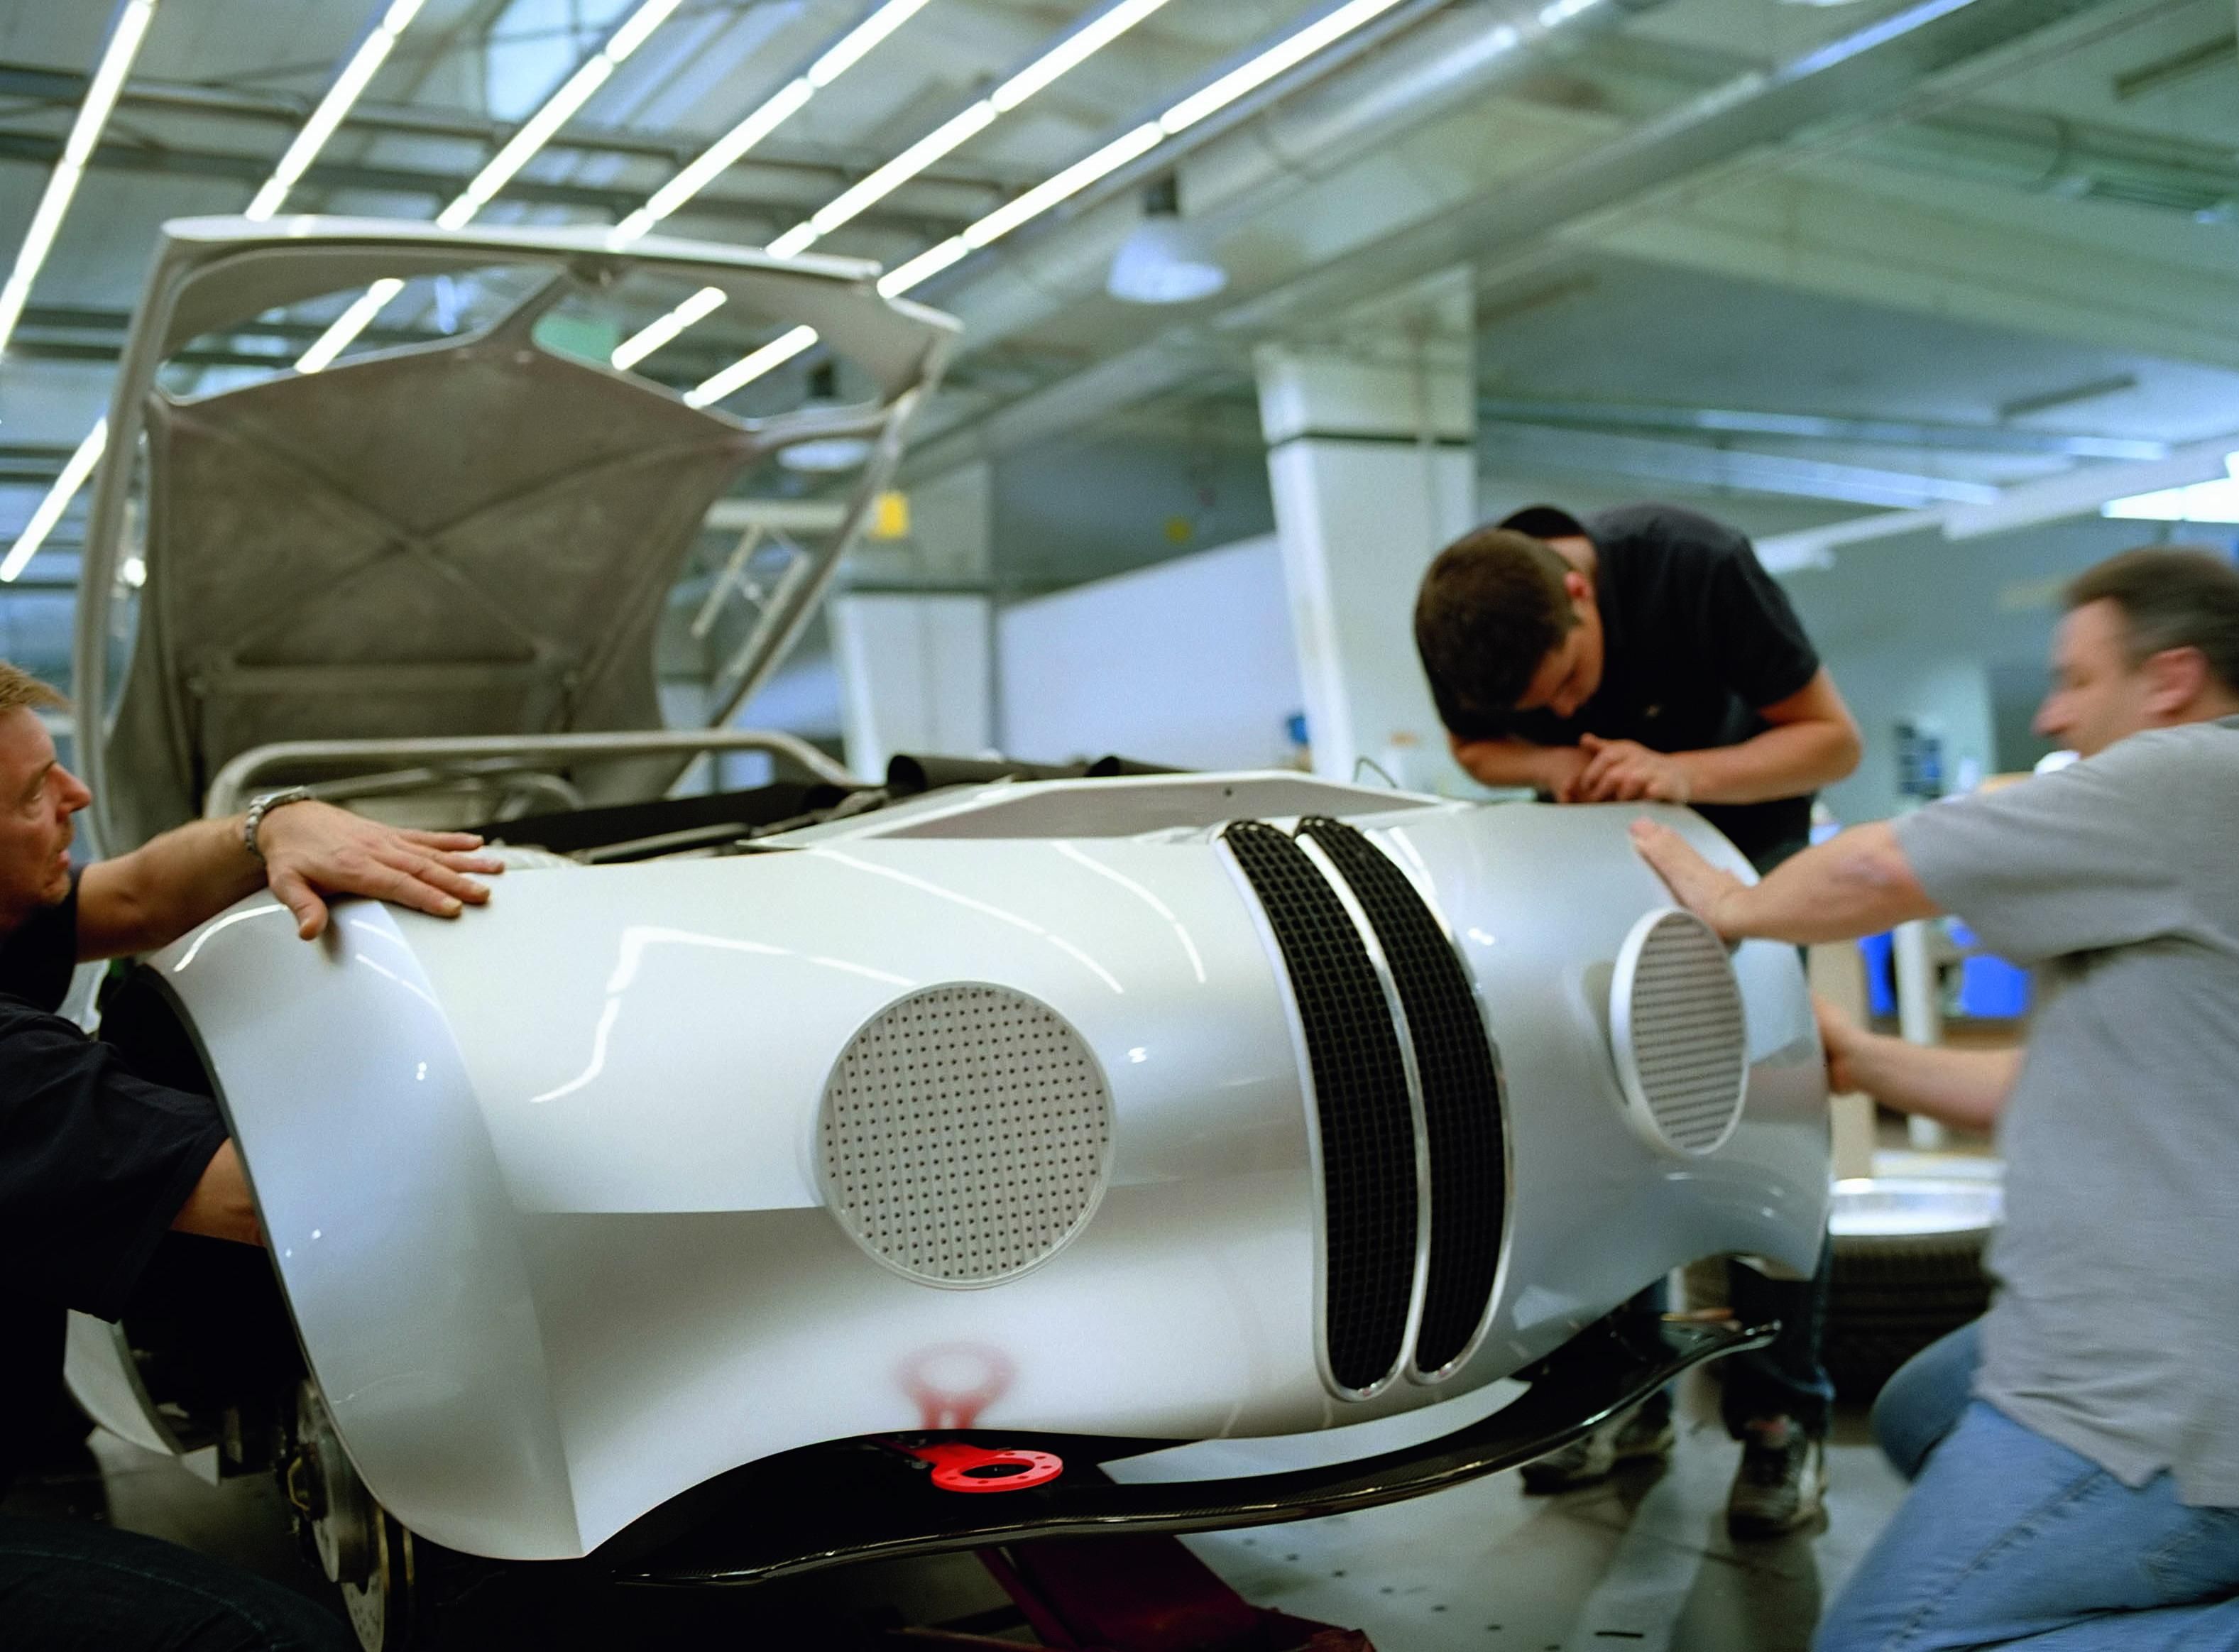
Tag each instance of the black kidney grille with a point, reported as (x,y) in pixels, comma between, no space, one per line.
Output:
(1360,1092)
(1461,1091)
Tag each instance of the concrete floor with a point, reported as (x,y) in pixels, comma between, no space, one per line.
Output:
(1641,1562)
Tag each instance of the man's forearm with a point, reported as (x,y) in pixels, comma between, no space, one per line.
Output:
(1857,883)
(220,1206)
(1513,762)
(1781,762)
(1966,1088)
(149,897)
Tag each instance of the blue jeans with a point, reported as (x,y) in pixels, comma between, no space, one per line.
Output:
(2008,1539)
(1783,1379)
(71,1585)
(1926,1398)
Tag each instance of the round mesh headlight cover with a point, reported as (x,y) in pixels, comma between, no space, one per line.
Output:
(966,1134)
(1679,1033)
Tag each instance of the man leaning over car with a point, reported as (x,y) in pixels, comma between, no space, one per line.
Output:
(97,1165)
(2086,1497)
(1646,654)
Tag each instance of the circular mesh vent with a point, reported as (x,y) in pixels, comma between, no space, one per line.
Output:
(966,1131)
(1675,1022)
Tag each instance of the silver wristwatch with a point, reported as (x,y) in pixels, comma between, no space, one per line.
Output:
(262,804)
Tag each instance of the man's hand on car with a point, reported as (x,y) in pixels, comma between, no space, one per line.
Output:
(1623,771)
(1560,768)
(1694,882)
(313,849)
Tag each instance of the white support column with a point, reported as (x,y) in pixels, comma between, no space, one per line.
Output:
(1371,434)
(913,676)
(916,669)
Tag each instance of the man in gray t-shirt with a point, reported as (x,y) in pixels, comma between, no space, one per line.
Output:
(2089,1495)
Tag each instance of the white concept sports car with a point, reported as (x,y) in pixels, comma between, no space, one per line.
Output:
(931,1156)
(771,1179)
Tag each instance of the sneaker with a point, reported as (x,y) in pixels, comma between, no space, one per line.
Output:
(1645,1431)
(1781,1483)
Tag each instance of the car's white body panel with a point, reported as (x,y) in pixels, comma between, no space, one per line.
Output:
(543,1185)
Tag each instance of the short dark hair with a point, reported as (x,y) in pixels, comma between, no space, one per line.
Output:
(1492,606)
(2170,597)
(1545,521)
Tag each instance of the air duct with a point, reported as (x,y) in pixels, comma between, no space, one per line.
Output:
(1427,73)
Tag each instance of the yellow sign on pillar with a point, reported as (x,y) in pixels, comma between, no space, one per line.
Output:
(890,517)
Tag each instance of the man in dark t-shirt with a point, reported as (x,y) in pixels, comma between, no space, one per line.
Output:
(1645,654)
(97,1165)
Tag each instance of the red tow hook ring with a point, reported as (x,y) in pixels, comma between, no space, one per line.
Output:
(974,1467)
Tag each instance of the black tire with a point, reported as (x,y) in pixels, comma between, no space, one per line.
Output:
(1894,1294)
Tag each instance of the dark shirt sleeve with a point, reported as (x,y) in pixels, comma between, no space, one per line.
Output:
(38,955)
(1750,628)
(95,1162)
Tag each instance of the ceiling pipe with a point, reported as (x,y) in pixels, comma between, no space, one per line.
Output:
(1276,145)
(1868,70)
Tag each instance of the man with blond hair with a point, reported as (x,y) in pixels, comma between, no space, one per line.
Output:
(97,1165)
(2080,1490)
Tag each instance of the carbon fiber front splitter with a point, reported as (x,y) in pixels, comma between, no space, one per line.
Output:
(920,1494)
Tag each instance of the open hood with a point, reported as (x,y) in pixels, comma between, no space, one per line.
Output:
(469,536)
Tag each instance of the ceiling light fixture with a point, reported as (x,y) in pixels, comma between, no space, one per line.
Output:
(1256,71)
(348,86)
(101,95)
(2203,501)
(1162,260)
(1068,54)
(535,132)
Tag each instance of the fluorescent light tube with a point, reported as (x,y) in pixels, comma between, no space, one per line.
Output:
(348,86)
(2201,501)
(348,325)
(76,469)
(860,39)
(101,93)
(1070,52)
(777,351)
(1285,54)
(924,267)
(951,135)
(714,161)
(1127,146)
(641,344)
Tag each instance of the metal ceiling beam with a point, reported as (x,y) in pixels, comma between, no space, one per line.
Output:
(1864,74)
(825,163)
(76,333)
(1584,453)
(2049,152)
(121,155)
(1873,433)
(80,318)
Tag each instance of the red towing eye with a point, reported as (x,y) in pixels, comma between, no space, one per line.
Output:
(975,1467)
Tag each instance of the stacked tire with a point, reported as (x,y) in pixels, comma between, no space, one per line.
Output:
(1894,1294)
